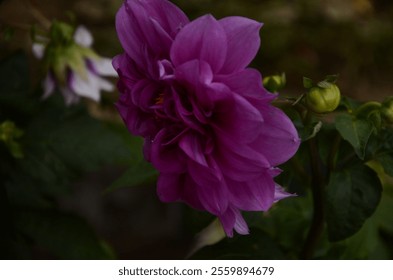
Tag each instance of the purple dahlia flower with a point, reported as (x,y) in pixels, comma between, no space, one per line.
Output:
(208,124)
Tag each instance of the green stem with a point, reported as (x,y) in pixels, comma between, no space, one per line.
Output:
(317,184)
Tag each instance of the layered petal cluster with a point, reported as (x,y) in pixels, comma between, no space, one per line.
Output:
(74,68)
(208,124)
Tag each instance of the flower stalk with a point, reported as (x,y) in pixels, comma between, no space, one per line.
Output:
(317,185)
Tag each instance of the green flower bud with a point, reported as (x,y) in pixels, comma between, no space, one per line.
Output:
(274,83)
(323,99)
(387,110)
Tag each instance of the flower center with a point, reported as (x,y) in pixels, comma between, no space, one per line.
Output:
(160,99)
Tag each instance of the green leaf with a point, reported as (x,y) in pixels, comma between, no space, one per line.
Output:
(356,131)
(137,175)
(84,144)
(307,82)
(64,235)
(352,196)
(349,103)
(80,142)
(386,160)
(368,243)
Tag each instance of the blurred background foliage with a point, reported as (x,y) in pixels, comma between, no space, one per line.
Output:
(80,189)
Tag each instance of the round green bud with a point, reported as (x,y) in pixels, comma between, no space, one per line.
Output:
(387,110)
(323,100)
(274,83)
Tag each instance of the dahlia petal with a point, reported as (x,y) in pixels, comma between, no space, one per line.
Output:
(83,37)
(191,145)
(278,139)
(166,70)
(143,94)
(194,73)
(169,187)
(213,196)
(253,195)
(168,15)
(127,70)
(205,175)
(243,42)
(153,34)
(211,188)
(202,39)
(280,193)
(239,162)
(166,158)
(238,118)
(233,219)
(129,34)
(153,23)
(190,193)
(197,75)
(137,121)
(247,83)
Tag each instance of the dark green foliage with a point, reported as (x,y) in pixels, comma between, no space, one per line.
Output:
(60,145)
(356,131)
(352,196)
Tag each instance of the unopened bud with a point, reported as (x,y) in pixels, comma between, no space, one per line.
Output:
(274,83)
(387,110)
(323,99)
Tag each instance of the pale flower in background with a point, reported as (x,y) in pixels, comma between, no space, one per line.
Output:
(72,66)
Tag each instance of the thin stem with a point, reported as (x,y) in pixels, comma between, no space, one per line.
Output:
(317,185)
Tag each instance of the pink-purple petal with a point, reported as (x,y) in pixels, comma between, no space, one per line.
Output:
(278,139)
(203,39)
(169,187)
(232,219)
(247,83)
(167,158)
(254,195)
(243,42)
(191,145)
(280,193)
